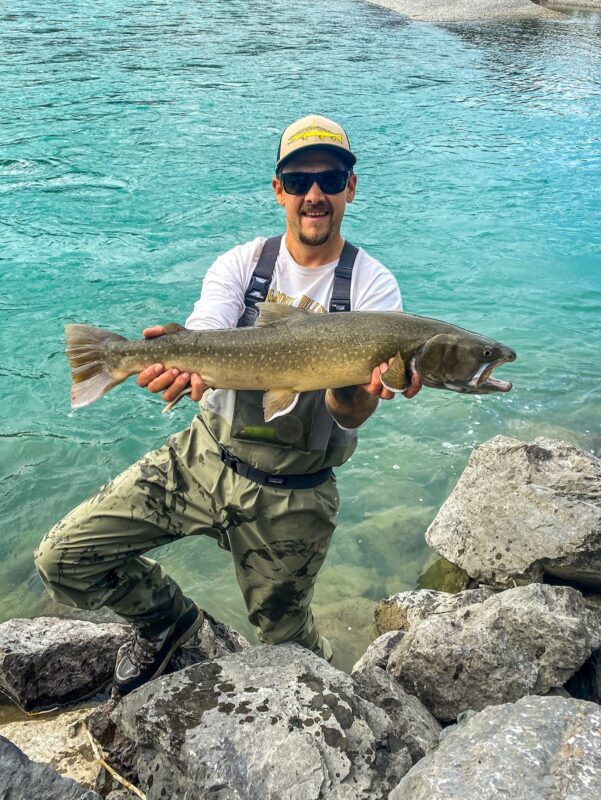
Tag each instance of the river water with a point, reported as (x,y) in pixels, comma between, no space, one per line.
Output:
(137,143)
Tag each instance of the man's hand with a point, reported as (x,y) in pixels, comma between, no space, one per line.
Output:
(377,389)
(169,381)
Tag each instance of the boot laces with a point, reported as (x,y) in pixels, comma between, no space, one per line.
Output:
(143,650)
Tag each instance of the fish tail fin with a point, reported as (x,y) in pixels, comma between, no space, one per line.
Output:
(86,350)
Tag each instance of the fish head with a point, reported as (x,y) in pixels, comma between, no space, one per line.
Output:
(462,363)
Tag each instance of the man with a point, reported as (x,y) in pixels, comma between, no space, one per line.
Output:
(265,492)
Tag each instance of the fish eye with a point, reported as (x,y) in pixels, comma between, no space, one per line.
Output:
(487,352)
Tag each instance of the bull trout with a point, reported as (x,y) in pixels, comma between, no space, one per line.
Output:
(290,350)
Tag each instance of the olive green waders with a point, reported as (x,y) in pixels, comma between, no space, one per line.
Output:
(278,539)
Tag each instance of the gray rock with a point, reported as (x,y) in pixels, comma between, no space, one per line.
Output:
(413,723)
(272,721)
(462,10)
(540,748)
(46,662)
(522,641)
(524,510)
(378,652)
(403,610)
(22,779)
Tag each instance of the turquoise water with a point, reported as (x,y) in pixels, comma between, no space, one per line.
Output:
(137,143)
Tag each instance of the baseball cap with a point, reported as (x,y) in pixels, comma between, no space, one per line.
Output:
(314,133)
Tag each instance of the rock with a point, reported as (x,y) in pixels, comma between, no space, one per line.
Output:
(58,740)
(522,511)
(540,748)
(413,723)
(22,779)
(271,721)
(406,609)
(378,652)
(518,642)
(45,662)
(463,10)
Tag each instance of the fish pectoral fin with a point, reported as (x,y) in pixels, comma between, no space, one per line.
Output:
(183,393)
(172,327)
(277,402)
(275,313)
(395,377)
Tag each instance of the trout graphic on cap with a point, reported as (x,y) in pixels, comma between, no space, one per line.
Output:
(314,133)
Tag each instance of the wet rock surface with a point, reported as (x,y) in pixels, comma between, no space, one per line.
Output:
(267,722)
(23,779)
(540,748)
(521,511)
(404,610)
(47,662)
(521,641)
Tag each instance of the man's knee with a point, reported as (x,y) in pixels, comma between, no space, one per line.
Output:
(46,559)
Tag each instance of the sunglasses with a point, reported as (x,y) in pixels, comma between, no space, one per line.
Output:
(332,181)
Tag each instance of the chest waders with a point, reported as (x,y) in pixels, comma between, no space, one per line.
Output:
(299,449)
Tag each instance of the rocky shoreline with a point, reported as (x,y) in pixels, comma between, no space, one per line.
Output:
(482,10)
(491,691)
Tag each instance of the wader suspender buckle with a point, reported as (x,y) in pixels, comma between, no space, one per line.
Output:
(341,291)
(260,281)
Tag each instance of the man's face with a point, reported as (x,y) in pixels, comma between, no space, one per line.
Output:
(314,218)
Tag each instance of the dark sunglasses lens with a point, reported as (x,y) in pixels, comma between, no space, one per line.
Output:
(332,181)
(296,182)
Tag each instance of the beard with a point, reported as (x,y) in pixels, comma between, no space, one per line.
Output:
(316,238)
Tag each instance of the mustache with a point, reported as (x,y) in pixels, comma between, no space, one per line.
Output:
(315,208)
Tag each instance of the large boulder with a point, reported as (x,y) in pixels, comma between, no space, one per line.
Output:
(524,510)
(540,748)
(518,642)
(403,610)
(412,721)
(266,722)
(46,662)
(22,779)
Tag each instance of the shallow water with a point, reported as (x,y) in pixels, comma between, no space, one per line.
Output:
(137,144)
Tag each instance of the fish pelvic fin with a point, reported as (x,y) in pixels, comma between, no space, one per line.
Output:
(395,377)
(90,373)
(277,402)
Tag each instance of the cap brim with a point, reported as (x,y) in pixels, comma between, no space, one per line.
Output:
(349,158)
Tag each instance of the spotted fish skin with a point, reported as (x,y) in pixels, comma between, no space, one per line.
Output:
(294,351)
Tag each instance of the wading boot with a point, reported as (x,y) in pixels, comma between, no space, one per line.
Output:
(146,659)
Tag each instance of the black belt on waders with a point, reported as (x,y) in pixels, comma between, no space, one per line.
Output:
(308,481)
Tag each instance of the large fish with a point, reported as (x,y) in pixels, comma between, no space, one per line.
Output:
(290,351)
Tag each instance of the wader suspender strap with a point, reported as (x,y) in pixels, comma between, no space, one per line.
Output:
(341,293)
(261,279)
(258,287)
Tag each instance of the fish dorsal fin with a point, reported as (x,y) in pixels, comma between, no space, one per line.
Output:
(277,402)
(277,313)
(395,377)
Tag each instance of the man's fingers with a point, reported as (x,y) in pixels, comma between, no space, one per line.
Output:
(149,374)
(163,381)
(198,387)
(156,330)
(178,385)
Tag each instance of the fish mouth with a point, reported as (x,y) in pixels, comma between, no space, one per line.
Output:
(482,382)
